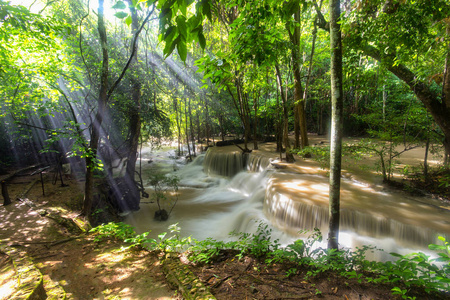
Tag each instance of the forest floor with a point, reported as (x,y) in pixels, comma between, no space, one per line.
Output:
(87,269)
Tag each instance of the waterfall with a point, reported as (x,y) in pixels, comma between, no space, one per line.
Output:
(226,191)
(223,163)
(229,161)
(296,201)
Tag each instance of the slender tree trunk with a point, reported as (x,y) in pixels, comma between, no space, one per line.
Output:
(336,124)
(311,59)
(299,103)
(177,120)
(296,126)
(207,128)
(255,122)
(222,128)
(425,159)
(241,104)
(187,128)
(289,156)
(279,133)
(199,130)
(446,97)
(192,129)
(91,158)
(133,197)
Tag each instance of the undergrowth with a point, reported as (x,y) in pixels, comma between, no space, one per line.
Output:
(407,272)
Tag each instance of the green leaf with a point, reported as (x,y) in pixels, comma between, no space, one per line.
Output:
(201,40)
(181,24)
(170,46)
(121,14)
(164,12)
(207,9)
(183,6)
(119,5)
(128,20)
(169,31)
(182,50)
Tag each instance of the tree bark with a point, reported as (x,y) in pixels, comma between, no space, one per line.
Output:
(336,124)
(207,126)
(133,197)
(299,103)
(255,121)
(192,130)
(91,157)
(177,120)
(104,94)
(287,145)
(446,96)
(187,128)
(241,104)
(5,194)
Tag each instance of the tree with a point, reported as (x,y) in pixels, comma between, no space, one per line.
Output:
(293,27)
(105,92)
(410,39)
(336,124)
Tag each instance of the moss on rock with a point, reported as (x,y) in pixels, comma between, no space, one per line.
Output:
(179,275)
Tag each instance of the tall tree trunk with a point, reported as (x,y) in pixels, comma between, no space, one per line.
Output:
(133,198)
(187,128)
(384,102)
(240,102)
(91,157)
(287,145)
(446,97)
(311,58)
(199,130)
(278,122)
(192,129)
(336,124)
(221,127)
(255,122)
(177,120)
(299,103)
(207,127)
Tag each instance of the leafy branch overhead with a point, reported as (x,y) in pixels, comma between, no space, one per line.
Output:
(177,23)
(179,26)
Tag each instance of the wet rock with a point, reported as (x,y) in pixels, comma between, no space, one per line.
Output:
(161,215)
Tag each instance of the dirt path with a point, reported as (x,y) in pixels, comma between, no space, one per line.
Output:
(83,268)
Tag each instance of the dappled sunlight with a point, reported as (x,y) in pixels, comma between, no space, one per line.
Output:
(100,270)
(7,277)
(300,201)
(292,198)
(26,222)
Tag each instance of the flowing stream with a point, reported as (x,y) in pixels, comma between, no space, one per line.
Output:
(225,191)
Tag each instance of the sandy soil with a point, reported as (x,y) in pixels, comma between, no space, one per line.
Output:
(84,268)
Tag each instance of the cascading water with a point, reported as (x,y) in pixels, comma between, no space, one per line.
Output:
(226,191)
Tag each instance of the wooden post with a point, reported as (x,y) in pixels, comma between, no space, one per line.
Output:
(6,199)
(42,183)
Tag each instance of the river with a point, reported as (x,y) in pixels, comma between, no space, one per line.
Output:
(224,191)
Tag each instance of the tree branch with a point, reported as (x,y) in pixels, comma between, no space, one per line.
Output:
(321,22)
(81,47)
(124,70)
